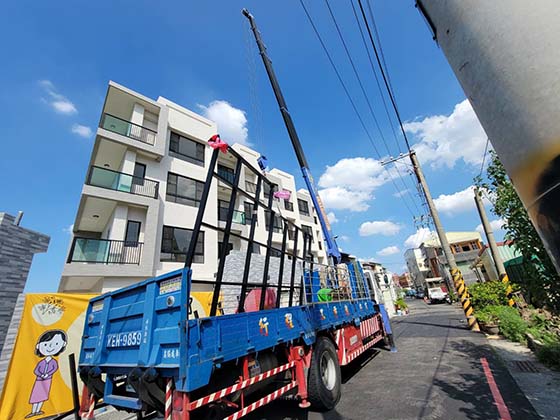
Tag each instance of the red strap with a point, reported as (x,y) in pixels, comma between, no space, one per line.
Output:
(216,142)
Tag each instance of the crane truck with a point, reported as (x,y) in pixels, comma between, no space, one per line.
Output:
(284,331)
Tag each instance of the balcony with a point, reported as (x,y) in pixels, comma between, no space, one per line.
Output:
(104,251)
(238,216)
(128,129)
(118,181)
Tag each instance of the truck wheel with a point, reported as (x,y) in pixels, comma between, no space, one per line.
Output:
(323,384)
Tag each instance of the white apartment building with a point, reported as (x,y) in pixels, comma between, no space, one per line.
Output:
(141,194)
(417,266)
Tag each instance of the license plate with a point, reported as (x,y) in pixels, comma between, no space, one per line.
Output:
(124,339)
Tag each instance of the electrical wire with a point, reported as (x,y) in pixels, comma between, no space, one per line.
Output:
(344,87)
(365,94)
(380,46)
(395,108)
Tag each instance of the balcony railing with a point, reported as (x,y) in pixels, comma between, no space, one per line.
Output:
(104,251)
(118,181)
(238,216)
(128,129)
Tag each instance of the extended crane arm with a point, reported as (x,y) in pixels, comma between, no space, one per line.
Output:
(332,247)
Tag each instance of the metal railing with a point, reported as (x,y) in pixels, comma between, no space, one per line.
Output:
(118,181)
(238,216)
(105,251)
(128,129)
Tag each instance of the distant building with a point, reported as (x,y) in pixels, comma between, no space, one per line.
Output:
(405,281)
(429,261)
(18,245)
(484,265)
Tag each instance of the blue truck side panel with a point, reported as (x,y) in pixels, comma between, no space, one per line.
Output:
(146,325)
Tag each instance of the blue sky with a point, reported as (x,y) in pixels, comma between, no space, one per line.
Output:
(59,57)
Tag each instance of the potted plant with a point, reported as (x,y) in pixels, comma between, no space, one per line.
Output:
(488,322)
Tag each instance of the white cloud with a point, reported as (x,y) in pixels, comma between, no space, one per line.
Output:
(445,139)
(379,227)
(421,235)
(344,238)
(459,202)
(82,130)
(495,225)
(69,229)
(232,122)
(401,193)
(58,102)
(390,250)
(332,217)
(339,198)
(350,182)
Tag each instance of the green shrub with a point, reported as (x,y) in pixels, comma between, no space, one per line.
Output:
(549,354)
(488,293)
(487,317)
(512,326)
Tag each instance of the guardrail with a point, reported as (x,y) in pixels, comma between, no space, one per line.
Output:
(105,251)
(128,129)
(118,181)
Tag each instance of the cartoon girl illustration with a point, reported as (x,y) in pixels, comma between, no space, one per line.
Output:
(49,345)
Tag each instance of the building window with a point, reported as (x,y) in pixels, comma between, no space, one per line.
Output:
(186,149)
(277,227)
(303,207)
(175,244)
(132,235)
(466,248)
(288,205)
(248,208)
(307,230)
(474,245)
(139,174)
(456,248)
(315,219)
(226,173)
(269,188)
(183,190)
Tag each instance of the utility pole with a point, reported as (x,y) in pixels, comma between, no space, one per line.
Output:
(458,280)
(492,244)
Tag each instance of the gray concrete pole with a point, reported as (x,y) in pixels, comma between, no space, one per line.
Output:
(456,275)
(505,55)
(489,234)
(433,211)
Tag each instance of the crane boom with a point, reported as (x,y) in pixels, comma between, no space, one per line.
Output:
(332,248)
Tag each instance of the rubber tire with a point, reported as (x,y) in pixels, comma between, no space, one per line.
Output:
(320,397)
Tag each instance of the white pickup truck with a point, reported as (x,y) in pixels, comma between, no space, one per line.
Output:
(436,294)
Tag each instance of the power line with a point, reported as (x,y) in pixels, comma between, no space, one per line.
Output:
(383,75)
(364,92)
(380,46)
(339,77)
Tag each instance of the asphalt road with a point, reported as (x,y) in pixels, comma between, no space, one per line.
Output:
(437,373)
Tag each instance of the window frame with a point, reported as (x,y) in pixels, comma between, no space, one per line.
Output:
(198,184)
(187,158)
(173,255)
(130,243)
(301,208)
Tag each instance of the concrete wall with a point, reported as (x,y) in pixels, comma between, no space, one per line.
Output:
(17,247)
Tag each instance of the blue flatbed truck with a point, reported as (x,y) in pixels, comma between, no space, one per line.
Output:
(284,330)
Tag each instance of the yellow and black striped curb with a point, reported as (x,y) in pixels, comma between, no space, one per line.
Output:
(509,290)
(464,298)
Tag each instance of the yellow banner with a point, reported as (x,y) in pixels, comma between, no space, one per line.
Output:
(38,383)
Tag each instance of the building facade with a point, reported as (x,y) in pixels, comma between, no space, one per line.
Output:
(18,245)
(142,191)
(428,261)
